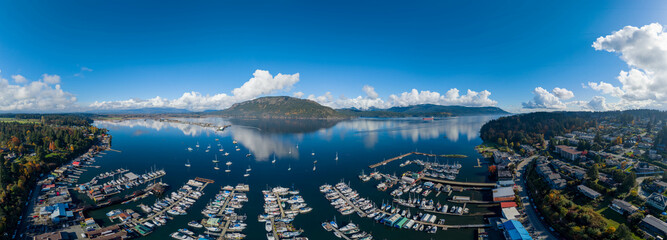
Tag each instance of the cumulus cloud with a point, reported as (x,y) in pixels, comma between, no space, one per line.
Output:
(34,96)
(413,97)
(370,91)
(19,79)
(51,79)
(261,83)
(298,94)
(562,93)
(544,99)
(645,51)
(598,103)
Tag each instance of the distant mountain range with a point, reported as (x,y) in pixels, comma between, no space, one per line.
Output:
(289,107)
(294,108)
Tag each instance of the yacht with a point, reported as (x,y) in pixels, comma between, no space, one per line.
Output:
(228,169)
(216,159)
(190,149)
(229,163)
(246,174)
(268,227)
(248,169)
(216,167)
(187,164)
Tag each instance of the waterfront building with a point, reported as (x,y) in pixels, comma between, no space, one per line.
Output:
(503,194)
(513,230)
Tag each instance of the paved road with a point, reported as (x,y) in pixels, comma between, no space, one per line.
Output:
(534,222)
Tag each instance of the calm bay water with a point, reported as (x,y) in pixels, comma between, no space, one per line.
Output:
(359,143)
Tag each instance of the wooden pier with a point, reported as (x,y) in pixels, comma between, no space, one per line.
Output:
(468,184)
(444,226)
(416,153)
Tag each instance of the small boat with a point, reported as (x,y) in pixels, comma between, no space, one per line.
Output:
(269,236)
(195,224)
(248,169)
(312,154)
(246,175)
(197,144)
(187,164)
(314,167)
(228,169)
(289,168)
(216,159)
(229,163)
(216,167)
(234,142)
(190,149)
(336,156)
(267,226)
(274,159)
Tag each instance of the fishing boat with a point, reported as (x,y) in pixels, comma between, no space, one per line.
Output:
(216,167)
(187,164)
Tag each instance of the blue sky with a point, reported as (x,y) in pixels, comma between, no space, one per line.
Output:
(140,50)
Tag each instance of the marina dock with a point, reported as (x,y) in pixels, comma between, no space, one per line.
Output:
(416,153)
(467,184)
(357,209)
(161,212)
(339,232)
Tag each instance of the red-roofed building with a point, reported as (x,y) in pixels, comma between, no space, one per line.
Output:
(77,163)
(48,187)
(507,204)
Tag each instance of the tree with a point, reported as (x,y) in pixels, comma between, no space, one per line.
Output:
(623,233)
(592,172)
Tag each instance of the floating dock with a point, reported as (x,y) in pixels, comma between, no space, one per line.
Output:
(416,153)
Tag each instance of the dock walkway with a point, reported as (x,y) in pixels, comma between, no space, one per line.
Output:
(142,220)
(468,184)
(415,153)
(357,209)
(339,232)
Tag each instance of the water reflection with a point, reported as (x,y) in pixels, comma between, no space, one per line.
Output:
(266,137)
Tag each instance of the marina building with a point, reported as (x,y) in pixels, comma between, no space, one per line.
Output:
(503,194)
(513,230)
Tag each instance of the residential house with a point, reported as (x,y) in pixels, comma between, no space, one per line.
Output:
(567,152)
(643,168)
(499,156)
(653,226)
(657,200)
(623,207)
(588,192)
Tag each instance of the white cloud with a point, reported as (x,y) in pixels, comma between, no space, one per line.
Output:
(414,97)
(562,93)
(83,69)
(51,79)
(298,94)
(19,79)
(598,103)
(370,91)
(262,83)
(34,96)
(545,100)
(645,51)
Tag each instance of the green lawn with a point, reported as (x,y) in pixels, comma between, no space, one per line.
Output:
(19,120)
(612,218)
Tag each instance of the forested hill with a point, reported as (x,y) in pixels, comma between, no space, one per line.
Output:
(535,127)
(280,107)
(33,144)
(424,110)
